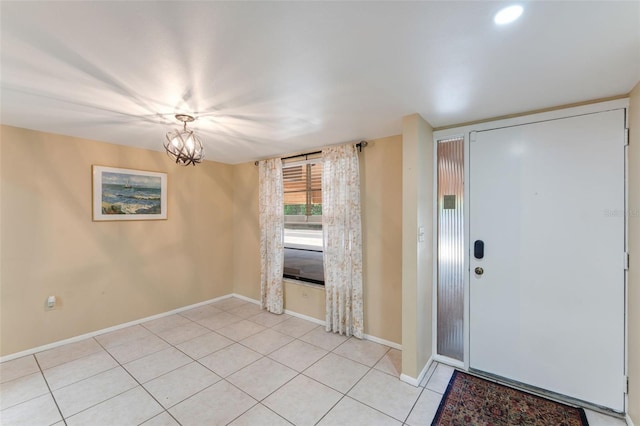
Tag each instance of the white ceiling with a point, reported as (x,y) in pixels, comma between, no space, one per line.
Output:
(272,78)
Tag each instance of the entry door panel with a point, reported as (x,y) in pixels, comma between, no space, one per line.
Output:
(547,200)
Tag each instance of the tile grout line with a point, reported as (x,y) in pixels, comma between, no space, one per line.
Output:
(286,420)
(414,405)
(298,373)
(259,402)
(262,356)
(49,387)
(428,378)
(345,395)
(384,372)
(139,384)
(196,361)
(251,408)
(26,400)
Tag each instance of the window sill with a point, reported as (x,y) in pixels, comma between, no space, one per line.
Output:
(303,283)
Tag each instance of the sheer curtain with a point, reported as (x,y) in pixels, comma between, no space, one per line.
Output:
(271,234)
(342,240)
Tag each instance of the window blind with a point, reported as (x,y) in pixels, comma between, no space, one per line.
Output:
(302,189)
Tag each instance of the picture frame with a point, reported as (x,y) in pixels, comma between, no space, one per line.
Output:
(128,194)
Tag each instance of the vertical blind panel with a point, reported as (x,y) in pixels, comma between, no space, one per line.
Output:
(450,303)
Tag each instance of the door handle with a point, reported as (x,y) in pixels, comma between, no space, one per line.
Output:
(478,249)
(479,271)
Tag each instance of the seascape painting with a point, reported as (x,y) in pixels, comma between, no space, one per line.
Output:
(123,194)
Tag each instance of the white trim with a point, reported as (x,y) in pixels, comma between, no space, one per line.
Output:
(321,322)
(627,260)
(467,255)
(303,283)
(449,361)
(416,382)
(410,380)
(533,118)
(434,243)
(383,342)
(465,214)
(628,420)
(245,298)
(304,317)
(286,311)
(175,311)
(107,330)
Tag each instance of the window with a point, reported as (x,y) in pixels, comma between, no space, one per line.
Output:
(302,182)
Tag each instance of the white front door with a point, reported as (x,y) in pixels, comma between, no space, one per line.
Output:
(547,199)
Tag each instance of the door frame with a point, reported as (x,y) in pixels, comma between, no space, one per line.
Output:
(465,131)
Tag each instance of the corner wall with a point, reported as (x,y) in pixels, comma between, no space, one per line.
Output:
(633,218)
(102,273)
(417,255)
(381,197)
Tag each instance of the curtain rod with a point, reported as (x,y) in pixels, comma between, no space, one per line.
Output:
(359,145)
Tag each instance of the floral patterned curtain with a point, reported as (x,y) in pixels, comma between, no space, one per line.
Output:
(342,240)
(271,235)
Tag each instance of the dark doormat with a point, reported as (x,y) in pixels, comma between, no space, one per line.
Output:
(470,400)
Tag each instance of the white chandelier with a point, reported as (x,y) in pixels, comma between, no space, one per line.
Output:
(184,146)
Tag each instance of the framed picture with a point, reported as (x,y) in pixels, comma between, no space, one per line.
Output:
(125,194)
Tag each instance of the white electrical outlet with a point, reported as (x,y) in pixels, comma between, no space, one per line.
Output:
(51,302)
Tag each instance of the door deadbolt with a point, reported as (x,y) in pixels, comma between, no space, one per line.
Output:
(479,271)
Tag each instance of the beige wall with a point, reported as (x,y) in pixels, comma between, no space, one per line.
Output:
(381,195)
(634,251)
(103,273)
(246,231)
(417,258)
(305,299)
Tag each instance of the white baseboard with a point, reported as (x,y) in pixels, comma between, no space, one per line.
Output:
(305,317)
(449,361)
(628,419)
(389,343)
(245,298)
(107,330)
(416,381)
(321,322)
(286,311)
(164,314)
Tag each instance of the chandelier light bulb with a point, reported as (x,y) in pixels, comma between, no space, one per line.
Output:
(190,143)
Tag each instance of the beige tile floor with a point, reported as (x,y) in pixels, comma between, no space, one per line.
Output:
(223,363)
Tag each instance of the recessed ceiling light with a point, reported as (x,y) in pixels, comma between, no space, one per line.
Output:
(507,15)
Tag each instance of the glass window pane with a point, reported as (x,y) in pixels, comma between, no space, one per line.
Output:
(451,271)
(303,252)
(303,222)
